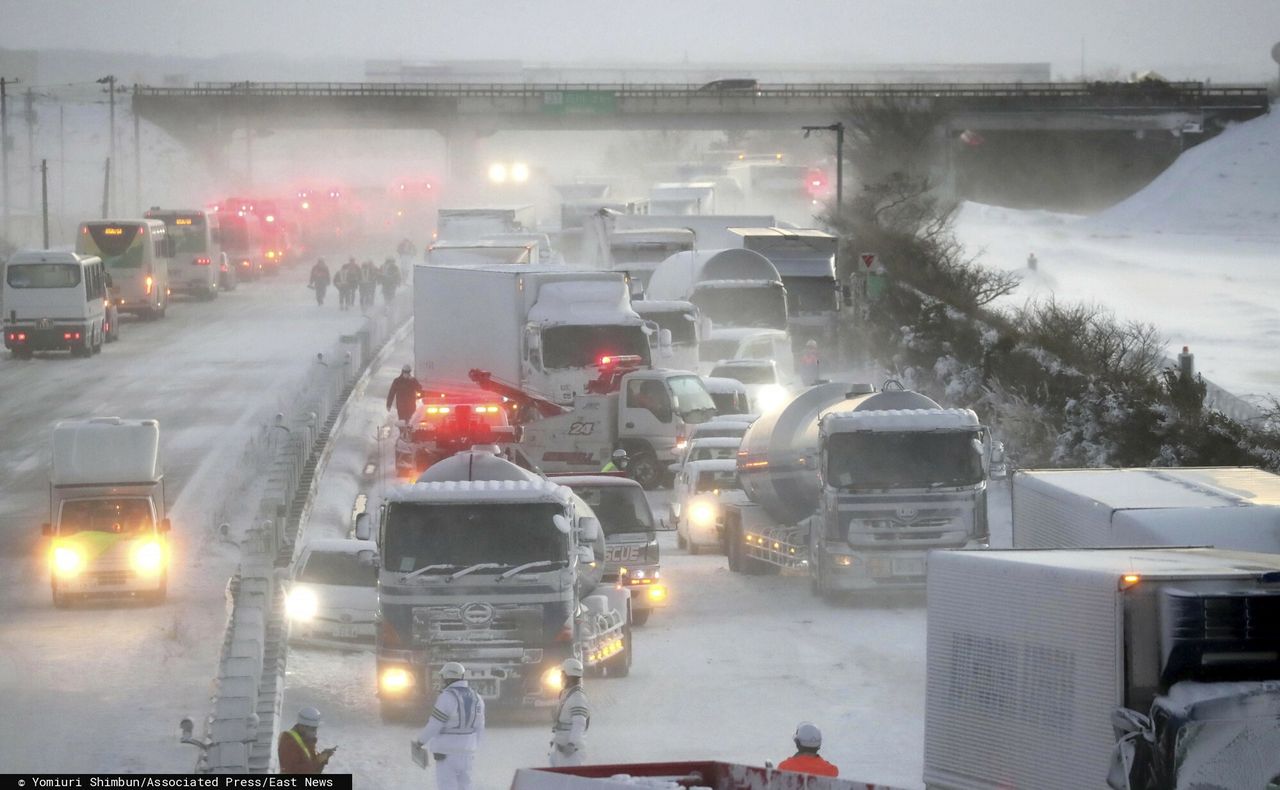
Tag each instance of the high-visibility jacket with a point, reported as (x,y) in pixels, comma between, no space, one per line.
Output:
(805,763)
(572,719)
(610,466)
(456,725)
(297,755)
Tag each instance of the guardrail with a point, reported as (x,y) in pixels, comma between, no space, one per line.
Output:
(288,451)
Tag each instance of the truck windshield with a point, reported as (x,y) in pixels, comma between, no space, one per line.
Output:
(464,534)
(691,398)
(582,346)
(747,374)
(119,516)
(808,295)
(339,568)
(679,323)
(43,275)
(750,306)
(619,508)
(904,459)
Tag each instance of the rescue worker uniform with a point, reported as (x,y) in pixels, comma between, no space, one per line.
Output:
(404,393)
(610,466)
(809,364)
(453,733)
(808,763)
(569,728)
(297,753)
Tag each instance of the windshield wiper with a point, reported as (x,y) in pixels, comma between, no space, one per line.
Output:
(528,565)
(424,569)
(479,566)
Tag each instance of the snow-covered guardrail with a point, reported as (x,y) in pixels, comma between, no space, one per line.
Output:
(286,454)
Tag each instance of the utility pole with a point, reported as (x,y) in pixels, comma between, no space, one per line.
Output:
(4,152)
(29,106)
(106,190)
(44,198)
(110,82)
(137,164)
(62,163)
(838,128)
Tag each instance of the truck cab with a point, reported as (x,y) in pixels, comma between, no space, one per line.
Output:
(56,301)
(107,521)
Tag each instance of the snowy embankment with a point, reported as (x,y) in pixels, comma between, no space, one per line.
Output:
(1195,254)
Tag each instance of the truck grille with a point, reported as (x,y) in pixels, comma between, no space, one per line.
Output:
(478,623)
(940,528)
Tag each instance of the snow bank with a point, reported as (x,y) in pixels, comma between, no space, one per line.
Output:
(1229,185)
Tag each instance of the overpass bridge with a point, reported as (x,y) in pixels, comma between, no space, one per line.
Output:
(205,115)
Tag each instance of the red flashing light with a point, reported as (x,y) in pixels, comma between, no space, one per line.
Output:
(202,261)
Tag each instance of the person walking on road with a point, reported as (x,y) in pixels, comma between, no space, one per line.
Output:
(404,393)
(572,719)
(390,280)
(297,747)
(369,277)
(808,739)
(347,281)
(320,280)
(810,364)
(455,729)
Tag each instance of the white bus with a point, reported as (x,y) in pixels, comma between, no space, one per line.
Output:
(198,268)
(136,254)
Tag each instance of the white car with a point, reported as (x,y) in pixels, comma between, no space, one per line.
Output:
(332,595)
(760,377)
(730,395)
(701,488)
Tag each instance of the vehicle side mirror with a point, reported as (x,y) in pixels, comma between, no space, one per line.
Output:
(586,556)
(664,341)
(46,528)
(706,328)
(165,525)
(534,342)
(362,531)
(589,529)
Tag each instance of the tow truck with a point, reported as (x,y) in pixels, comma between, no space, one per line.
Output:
(444,426)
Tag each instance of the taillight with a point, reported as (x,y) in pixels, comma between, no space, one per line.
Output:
(18,337)
(70,335)
(202,261)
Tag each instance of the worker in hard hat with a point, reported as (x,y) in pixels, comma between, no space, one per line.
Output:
(808,740)
(810,364)
(297,747)
(617,462)
(455,729)
(572,719)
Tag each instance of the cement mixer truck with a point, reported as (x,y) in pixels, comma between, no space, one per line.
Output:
(855,486)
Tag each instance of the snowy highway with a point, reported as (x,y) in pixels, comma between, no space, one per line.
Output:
(725,672)
(125,672)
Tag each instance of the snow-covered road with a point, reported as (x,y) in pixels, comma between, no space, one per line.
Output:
(101,687)
(726,672)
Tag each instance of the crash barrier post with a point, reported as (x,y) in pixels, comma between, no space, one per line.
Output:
(290,450)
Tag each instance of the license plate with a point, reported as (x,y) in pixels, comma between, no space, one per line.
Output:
(485,687)
(908,567)
(345,632)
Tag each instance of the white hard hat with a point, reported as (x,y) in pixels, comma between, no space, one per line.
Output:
(619,453)
(572,668)
(309,717)
(811,344)
(808,736)
(453,671)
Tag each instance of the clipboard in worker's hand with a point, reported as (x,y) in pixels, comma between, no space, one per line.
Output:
(419,753)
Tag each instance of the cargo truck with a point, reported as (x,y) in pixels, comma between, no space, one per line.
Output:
(806,260)
(1226,507)
(498,568)
(471,224)
(856,486)
(1089,668)
(107,522)
(542,329)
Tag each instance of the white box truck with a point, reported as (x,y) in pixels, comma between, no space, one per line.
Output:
(107,520)
(1226,507)
(1042,665)
(471,224)
(542,329)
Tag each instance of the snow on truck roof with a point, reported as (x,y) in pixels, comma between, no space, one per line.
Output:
(596,481)
(1123,489)
(496,491)
(1149,563)
(900,420)
(584,302)
(106,450)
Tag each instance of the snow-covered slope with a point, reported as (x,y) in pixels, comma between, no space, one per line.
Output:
(1229,185)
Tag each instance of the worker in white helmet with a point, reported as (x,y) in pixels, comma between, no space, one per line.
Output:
(808,739)
(572,718)
(455,729)
(296,749)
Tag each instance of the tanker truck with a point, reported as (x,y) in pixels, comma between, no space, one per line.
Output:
(494,566)
(855,486)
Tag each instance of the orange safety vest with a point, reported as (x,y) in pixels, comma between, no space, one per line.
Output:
(808,764)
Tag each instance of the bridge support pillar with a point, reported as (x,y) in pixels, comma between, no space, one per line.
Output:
(462,155)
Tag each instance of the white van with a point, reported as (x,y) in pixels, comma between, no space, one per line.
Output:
(136,255)
(56,301)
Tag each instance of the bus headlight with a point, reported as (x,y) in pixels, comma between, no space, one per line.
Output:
(553,679)
(703,513)
(395,681)
(301,604)
(148,558)
(67,561)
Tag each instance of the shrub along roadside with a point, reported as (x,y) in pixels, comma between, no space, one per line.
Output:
(1063,384)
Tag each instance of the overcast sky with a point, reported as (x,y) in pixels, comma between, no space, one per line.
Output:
(1223,39)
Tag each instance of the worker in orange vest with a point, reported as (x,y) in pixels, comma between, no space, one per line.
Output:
(808,740)
(297,748)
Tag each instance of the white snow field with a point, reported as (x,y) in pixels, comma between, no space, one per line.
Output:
(725,672)
(1195,254)
(101,687)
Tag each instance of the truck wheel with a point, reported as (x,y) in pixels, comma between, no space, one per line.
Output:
(644,469)
(158,596)
(694,548)
(820,585)
(733,548)
(641,617)
(22,353)
(60,599)
(680,541)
